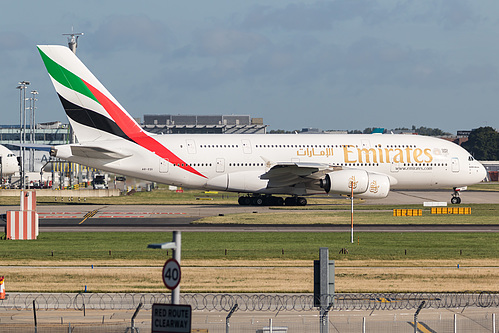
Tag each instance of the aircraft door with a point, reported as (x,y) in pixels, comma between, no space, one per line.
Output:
(191,146)
(163,165)
(246,146)
(220,165)
(455,164)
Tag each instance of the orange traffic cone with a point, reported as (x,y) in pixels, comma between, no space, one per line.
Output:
(2,288)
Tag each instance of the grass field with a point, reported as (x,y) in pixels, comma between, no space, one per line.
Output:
(95,247)
(261,262)
(253,262)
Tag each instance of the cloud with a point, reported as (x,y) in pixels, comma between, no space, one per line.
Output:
(216,42)
(13,41)
(130,32)
(315,16)
(325,15)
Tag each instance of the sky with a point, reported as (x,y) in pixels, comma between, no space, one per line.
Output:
(333,65)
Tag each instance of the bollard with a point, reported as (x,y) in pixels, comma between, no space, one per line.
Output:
(2,288)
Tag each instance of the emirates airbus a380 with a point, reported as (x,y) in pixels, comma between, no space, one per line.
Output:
(261,165)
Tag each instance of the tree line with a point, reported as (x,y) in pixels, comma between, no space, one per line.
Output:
(483,144)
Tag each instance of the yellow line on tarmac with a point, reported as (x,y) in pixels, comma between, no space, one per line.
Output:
(422,328)
(89,215)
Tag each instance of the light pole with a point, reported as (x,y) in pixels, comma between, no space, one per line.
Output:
(22,127)
(32,130)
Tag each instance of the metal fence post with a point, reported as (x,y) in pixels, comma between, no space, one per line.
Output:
(416,316)
(34,315)
(494,322)
(132,328)
(227,324)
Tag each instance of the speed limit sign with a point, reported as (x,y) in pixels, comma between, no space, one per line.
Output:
(171,274)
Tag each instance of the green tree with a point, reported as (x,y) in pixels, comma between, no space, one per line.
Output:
(483,144)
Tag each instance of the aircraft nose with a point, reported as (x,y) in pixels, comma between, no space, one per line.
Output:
(482,172)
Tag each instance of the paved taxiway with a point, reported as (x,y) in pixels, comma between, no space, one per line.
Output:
(158,218)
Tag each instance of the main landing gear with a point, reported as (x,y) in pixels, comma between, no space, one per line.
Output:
(456,200)
(268,200)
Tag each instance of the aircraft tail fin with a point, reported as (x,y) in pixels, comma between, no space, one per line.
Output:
(93,112)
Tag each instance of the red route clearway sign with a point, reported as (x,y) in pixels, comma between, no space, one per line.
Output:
(171,318)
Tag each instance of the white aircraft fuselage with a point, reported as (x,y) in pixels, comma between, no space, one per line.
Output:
(235,162)
(8,164)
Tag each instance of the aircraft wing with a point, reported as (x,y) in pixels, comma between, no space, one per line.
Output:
(291,173)
(97,152)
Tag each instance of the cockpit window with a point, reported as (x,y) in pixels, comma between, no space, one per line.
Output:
(470,158)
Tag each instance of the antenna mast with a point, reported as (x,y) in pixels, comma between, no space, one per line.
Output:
(73,39)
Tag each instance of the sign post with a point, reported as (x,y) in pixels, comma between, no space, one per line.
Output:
(175,245)
(324,287)
(351,214)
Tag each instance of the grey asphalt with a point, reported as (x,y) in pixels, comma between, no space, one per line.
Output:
(158,218)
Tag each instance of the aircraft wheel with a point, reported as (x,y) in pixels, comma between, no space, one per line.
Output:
(455,200)
(290,201)
(279,201)
(244,201)
(301,201)
(259,201)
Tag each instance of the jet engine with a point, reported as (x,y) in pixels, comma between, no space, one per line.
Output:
(365,184)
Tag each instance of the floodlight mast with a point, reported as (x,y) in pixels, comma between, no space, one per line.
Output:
(73,44)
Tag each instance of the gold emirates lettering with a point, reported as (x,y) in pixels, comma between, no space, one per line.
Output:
(386,155)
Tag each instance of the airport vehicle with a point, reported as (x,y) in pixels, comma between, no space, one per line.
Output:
(99,182)
(261,165)
(9,163)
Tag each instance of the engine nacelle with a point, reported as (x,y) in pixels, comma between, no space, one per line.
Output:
(365,184)
(379,187)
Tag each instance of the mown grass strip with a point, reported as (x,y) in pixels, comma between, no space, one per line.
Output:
(89,247)
(481,214)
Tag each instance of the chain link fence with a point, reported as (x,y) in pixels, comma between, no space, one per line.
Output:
(249,302)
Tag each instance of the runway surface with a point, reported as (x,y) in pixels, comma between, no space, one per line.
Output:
(164,218)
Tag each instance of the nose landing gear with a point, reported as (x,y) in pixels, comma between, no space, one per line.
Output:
(456,200)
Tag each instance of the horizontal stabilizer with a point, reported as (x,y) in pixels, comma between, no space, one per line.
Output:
(97,152)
